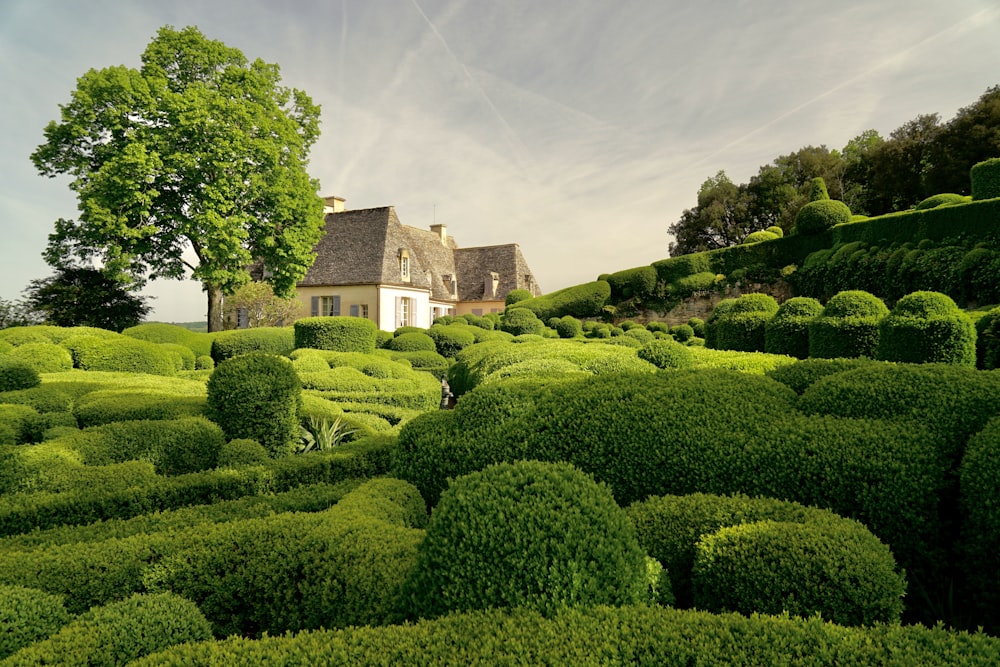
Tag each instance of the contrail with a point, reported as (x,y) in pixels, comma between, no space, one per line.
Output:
(963,25)
(518,149)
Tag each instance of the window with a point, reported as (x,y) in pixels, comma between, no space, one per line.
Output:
(405,312)
(325,306)
(359,310)
(478,312)
(404,265)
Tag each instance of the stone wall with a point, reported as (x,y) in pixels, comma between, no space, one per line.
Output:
(701,304)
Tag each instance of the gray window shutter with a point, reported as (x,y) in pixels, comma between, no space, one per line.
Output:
(314,306)
(355,311)
(399,311)
(336,306)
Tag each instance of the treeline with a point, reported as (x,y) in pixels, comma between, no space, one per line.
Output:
(872,174)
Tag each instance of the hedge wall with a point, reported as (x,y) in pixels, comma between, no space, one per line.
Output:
(581,301)
(980,537)
(229,344)
(927,327)
(788,331)
(119,354)
(341,334)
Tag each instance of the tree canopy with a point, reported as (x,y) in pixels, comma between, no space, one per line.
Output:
(84,296)
(199,152)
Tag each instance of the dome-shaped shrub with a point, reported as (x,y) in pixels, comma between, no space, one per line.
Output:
(119,354)
(275,340)
(640,334)
(519,321)
(516,295)
(682,333)
(44,357)
(776,230)
(848,326)
(16,374)
(256,396)
(837,569)
(927,327)
(412,341)
(986,179)
(568,326)
(788,331)
(987,340)
(944,199)
(758,236)
(241,452)
(530,534)
(710,326)
(698,325)
(342,334)
(28,615)
(664,353)
(819,216)
(451,339)
(742,326)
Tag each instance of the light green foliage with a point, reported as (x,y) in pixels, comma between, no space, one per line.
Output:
(412,341)
(580,301)
(848,326)
(568,327)
(28,615)
(256,396)
(927,327)
(240,452)
(821,215)
(119,354)
(199,148)
(16,374)
(741,325)
(986,179)
(452,339)
(341,334)
(322,435)
(516,295)
(666,354)
(530,534)
(788,331)
(518,321)
(759,236)
(160,332)
(274,340)
(184,358)
(43,357)
(110,405)
(945,199)
(817,189)
(776,230)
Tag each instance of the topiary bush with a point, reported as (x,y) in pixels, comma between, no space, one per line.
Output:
(836,569)
(802,374)
(985,179)
(742,325)
(16,374)
(342,334)
(710,326)
(412,341)
(817,189)
(568,326)
(516,295)
(160,332)
(818,216)
(759,236)
(581,301)
(987,340)
(43,357)
(519,321)
(111,405)
(529,534)
(848,326)
(788,331)
(274,340)
(666,354)
(927,327)
(945,199)
(240,452)
(204,362)
(256,396)
(980,532)
(776,230)
(451,339)
(120,354)
(682,333)
(185,357)
(28,615)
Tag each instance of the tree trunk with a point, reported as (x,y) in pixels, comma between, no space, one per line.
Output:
(214,307)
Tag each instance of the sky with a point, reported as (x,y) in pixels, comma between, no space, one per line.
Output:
(578,129)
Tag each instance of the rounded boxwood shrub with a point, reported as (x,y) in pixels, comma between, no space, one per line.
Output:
(519,321)
(539,535)
(848,326)
(742,326)
(927,327)
(640,334)
(682,333)
(112,405)
(241,452)
(119,354)
(120,632)
(944,199)
(43,357)
(204,362)
(759,236)
(185,357)
(16,374)
(412,341)
(256,396)
(820,215)
(788,331)
(985,179)
(568,326)
(160,332)
(698,325)
(710,326)
(275,340)
(341,334)
(28,615)
(516,295)
(987,340)
(451,339)
(665,353)
(776,230)
(802,374)
(836,569)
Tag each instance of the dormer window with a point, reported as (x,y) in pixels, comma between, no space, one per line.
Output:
(404,265)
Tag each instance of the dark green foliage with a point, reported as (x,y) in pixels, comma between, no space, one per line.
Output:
(241,452)
(682,333)
(944,199)
(43,357)
(382,339)
(817,189)
(711,328)
(802,374)
(256,396)
(759,236)
(847,327)
(656,326)
(518,321)
(120,632)
(927,327)
(987,340)
(666,354)
(698,325)
(600,636)
(83,295)
(274,340)
(837,569)
(111,405)
(412,341)
(121,354)
(788,331)
(568,327)
(631,283)
(19,423)
(28,615)
(674,268)
(580,301)
(159,332)
(818,216)
(342,334)
(450,340)
(741,326)
(980,488)
(985,179)
(530,534)
(516,295)
(16,374)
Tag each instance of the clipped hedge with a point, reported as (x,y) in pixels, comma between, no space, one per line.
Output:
(639,282)
(412,341)
(665,353)
(759,236)
(28,615)
(985,179)
(788,331)
(341,334)
(927,327)
(452,339)
(119,354)
(837,569)
(741,326)
(848,326)
(987,340)
(43,357)
(801,375)
(518,321)
(980,540)
(229,344)
(820,215)
(529,534)
(114,405)
(944,199)
(16,374)
(580,301)
(160,332)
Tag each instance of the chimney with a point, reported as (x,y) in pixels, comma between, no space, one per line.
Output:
(442,232)
(333,204)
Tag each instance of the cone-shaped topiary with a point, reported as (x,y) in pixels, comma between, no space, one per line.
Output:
(986,179)
(927,327)
(529,534)
(848,326)
(817,189)
(818,216)
(788,331)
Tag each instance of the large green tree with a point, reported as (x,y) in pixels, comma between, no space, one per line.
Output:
(193,163)
(84,296)
(719,220)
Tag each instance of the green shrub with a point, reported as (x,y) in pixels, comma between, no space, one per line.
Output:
(516,295)
(580,301)
(119,633)
(682,333)
(987,340)
(382,339)
(980,543)
(817,189)
(452,339)
(43,357)
(27,616)
(519,321)
(119,354)
(788,331)
(776,230)
(674,268)
(848,326)
(666,354)
(44,398)
(927,327)
(818,216)
(184,357)
(16,374)
(759,236)
(426,360)
(945,199)
(710,325)
(273,340)
(204,362)
(342,334)
(529,534)
(568,327)
(837,569)
(639,282)
(741,326)
(640,334)
(802,374)
(113,405)
(412,341)
(985,179)
(160,332)
(241,452)
(256,396)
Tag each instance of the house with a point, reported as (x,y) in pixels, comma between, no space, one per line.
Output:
(369,264)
